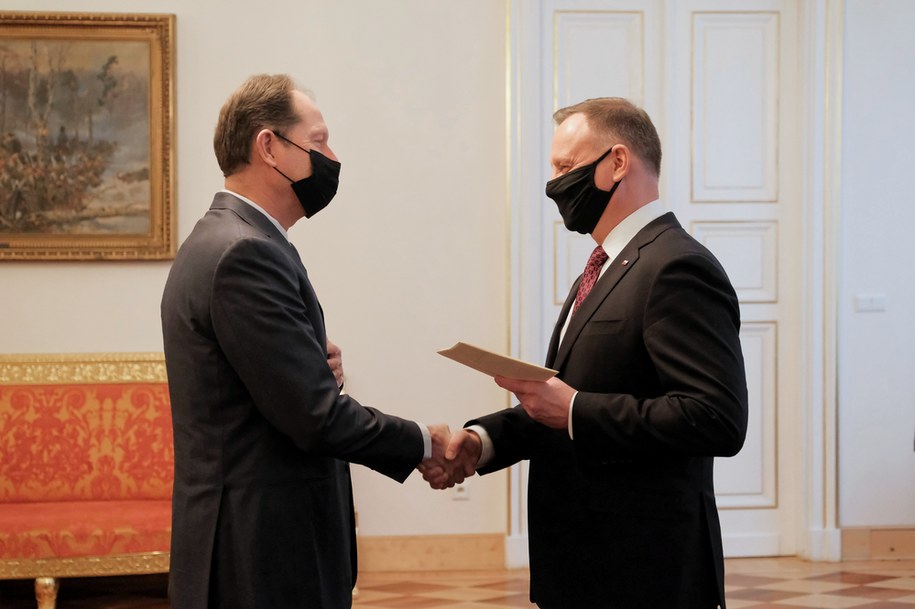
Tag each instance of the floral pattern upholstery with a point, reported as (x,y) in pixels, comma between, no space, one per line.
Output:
(86,469)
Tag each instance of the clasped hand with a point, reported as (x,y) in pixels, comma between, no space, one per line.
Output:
(454,457)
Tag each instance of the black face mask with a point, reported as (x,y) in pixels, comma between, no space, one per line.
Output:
(581,203)
(315,191)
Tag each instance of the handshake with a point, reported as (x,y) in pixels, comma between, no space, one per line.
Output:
(454,457)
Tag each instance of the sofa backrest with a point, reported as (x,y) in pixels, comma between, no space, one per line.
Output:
(84,427)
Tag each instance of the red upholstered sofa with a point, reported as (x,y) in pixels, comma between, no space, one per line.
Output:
(86,467)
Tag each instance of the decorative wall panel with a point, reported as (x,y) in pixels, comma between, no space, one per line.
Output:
(735,107)
(749,253)
(598,54)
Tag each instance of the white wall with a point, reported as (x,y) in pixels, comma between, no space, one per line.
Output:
(877,349)
(410,257)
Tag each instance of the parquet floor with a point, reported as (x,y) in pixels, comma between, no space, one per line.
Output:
(771,583)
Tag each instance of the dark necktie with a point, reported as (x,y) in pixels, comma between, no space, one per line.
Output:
(589,277)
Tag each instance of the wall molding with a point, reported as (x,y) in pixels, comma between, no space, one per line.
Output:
(823,544)
(822,23)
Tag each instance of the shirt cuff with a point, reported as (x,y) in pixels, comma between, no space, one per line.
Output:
(427,441)
(488,451)
(571,405)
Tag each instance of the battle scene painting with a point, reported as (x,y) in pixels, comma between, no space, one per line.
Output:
(86,135)
(74,149)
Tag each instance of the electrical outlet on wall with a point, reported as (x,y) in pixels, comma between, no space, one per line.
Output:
(460,492)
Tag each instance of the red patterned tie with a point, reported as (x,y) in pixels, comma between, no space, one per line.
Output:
(589,278)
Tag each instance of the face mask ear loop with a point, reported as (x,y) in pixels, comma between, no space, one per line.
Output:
(600,158)
(280,135)
(613,190)
(291,181)
(597,162)
(593,167)
(287,140)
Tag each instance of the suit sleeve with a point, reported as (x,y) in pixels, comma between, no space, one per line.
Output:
(514,436)
(266,333)
(691,329)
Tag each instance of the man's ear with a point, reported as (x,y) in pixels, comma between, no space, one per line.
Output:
(621,158)
(264,145)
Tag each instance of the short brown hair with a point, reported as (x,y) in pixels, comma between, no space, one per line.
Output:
(621,120)
(263,101)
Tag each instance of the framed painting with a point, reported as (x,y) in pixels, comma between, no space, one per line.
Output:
(87,166)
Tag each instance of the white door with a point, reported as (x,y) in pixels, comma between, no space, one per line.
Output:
(720,80)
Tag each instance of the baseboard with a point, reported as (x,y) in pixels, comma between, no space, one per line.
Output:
(742,546)
(877,544)
(516,552)
(432,553)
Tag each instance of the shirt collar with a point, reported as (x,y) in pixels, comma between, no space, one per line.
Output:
(278,226)
(623,232)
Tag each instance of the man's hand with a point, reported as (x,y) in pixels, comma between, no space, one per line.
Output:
(546,402)
(335,361)
(434,469)
(463,454)
(454,457)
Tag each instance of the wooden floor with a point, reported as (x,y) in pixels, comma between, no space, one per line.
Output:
(771,583)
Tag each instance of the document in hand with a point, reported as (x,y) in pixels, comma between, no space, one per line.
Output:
(494,364)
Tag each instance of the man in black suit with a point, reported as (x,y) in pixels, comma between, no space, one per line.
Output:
(651,387)
(262,508)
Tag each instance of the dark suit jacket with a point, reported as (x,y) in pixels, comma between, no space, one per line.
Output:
(624,516)
(262,508)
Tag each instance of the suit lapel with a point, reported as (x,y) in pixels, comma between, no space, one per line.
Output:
(621,265)
(566,307)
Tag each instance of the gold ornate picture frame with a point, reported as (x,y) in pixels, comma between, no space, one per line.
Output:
(87,135)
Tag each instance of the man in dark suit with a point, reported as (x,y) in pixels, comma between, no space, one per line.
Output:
(651,387)
(262,508)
